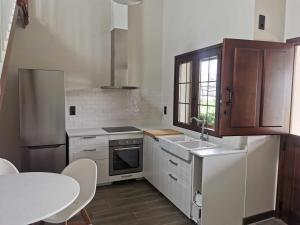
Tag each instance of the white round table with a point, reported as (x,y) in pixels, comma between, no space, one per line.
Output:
(27,198)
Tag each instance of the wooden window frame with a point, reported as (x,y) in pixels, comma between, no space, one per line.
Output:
(194,57)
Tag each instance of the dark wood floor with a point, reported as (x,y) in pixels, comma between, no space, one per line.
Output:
(138,203)
(133,203)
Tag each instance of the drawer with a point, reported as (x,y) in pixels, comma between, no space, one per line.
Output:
(89,140)
(177,167)
(90,152)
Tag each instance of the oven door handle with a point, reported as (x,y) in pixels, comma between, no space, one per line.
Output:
(123,149)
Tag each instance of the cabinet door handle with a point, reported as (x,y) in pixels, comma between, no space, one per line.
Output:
(89,137)
(89,150)
(174,163)
(172,177)
(230,95)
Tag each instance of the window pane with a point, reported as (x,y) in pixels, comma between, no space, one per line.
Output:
(213,68)
(203,112)
(181,113)
(185,72)
(187,113)
(211,112)
(184,93)
(211,94)
(208,90)
(184,113)
(204,65)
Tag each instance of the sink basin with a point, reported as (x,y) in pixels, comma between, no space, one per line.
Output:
(182,145)
(192,145)
(176,138)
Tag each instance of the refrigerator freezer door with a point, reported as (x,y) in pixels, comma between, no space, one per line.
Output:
(42,107)
(44,159)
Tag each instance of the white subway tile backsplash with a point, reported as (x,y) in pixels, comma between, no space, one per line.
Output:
(99,108)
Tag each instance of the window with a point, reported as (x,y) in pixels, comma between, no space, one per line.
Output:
(196,88)
(184,86)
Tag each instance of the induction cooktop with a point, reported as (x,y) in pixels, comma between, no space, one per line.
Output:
(120,129)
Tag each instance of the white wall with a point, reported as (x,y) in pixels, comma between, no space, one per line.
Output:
(292,28)
(262,167)
(274,10)
(192,24)
(74,36)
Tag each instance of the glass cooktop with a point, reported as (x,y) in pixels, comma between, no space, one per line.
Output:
(120,129)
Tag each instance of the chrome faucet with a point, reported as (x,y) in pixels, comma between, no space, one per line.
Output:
(203,123)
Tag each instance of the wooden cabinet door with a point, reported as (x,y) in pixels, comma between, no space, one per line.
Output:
(277,88)
(288,199)
(256,87)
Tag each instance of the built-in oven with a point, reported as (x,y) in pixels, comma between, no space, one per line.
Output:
(125,156)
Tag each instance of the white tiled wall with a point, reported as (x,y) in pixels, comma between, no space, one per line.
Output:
(99,108)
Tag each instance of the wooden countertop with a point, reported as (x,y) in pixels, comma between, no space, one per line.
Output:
(161,132)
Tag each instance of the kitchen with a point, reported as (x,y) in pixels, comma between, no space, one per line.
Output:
(120,93)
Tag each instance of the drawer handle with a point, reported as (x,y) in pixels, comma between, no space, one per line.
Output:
(172,177)
(126,176)
(174,163)
(89,137)
(89,150)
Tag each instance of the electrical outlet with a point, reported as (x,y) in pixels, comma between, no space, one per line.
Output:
(262,22)
(165,110)
(72,110)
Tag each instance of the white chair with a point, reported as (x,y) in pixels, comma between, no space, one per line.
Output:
(6,167)
(84,171)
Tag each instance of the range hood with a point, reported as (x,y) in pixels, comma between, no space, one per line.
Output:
(119,60)
(120,77)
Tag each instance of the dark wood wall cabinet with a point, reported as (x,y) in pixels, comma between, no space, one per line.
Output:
(253,87)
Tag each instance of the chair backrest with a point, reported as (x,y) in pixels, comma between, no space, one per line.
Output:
(84,171)
(6,167)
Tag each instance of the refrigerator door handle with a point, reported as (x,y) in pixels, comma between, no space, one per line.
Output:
(44,146)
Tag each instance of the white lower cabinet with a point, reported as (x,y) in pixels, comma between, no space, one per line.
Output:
(169,174)
(96,150)
(102,172)
(176,176)
(151,160)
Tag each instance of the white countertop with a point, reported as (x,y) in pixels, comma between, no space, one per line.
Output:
(216,151)
(86,132)
(95,132)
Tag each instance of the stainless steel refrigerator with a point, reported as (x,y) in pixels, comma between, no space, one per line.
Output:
(42,120)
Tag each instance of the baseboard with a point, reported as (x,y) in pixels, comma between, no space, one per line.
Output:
(258,217)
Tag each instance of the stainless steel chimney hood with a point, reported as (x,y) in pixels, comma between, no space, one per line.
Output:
(128,2)
(119,60)
(120,78)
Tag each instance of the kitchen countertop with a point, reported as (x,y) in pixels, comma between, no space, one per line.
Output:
(216,151)
(95,132)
